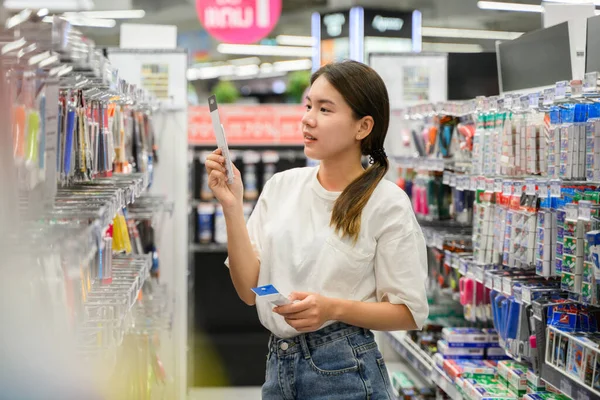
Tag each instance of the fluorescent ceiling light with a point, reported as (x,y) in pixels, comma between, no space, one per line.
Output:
(496,5)
(91,22)
(54,5)
(262,75)
(469,33)
(210,72)
(260,50)
(292,65)
(266,68)
(247,70)
(289,40)
(452,47)
(245,61)
(112,14)
(594,2)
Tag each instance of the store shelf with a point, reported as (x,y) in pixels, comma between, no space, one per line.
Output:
(442,224)
(440,378)
(208,248)
(567,385)
(414,355)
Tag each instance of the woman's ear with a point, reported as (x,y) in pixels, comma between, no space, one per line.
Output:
(365,126)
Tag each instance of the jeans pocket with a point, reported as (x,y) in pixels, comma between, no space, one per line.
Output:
(386,376)
(334,358)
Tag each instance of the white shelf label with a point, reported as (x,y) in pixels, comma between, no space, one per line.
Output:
(530,186)
(473,183)
(554,188)
(506,188)
(446,178)
(498,185)
(508,102)
(549,96)
(524,102)
(534,99)
(560,91)
(517,188)
(542,188)
(590,82)
(453,180)
(585,210)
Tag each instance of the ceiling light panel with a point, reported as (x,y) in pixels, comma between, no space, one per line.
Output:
(261,50)
(501,6)
(469,33)
(111,14)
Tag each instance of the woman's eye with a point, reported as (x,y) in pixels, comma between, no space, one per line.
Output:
(308,107)
(324,110)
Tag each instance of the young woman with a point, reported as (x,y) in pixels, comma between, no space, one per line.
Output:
(341,240)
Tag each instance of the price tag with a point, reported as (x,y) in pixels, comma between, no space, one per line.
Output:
(555,188)
(549,96)
(489,280)
(479,103)
(572,213)
(446,178)
(585,210)
(481,183)
(453,180)
(517,188)
(501,104)
(493,103)
(498,283)
(533,100)
(489,185)
(506,188)
(560,91)
(473,183)
(576,88)
(524,102)
(464,267)
(530,186)
(508,102)
(498,185)
(590,82)
(542,188)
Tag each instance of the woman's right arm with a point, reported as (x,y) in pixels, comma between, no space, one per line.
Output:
(244,264)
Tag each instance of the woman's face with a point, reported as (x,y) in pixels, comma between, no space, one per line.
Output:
(328,126)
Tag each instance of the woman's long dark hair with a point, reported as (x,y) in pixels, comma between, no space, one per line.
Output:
(364,91)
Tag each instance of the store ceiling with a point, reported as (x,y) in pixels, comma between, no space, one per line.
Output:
(295,19)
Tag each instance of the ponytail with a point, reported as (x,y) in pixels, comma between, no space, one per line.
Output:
(347,210)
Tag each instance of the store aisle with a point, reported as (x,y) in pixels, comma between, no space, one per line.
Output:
(226,393)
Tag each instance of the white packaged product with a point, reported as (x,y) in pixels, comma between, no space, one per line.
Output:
(220,226)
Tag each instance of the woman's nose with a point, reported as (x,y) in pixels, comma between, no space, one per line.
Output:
(307,119)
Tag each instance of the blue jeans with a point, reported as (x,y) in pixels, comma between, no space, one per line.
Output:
(338,362)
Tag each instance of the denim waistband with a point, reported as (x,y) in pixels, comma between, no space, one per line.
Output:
(327,334)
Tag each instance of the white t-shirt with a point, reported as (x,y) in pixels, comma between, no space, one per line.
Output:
(299,251)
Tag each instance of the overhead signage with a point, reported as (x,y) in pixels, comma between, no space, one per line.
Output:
(239,21)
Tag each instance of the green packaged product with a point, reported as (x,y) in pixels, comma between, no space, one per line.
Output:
(545,396)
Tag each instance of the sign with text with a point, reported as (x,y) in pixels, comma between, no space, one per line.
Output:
(388,23)
(239,21)
(248,124)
